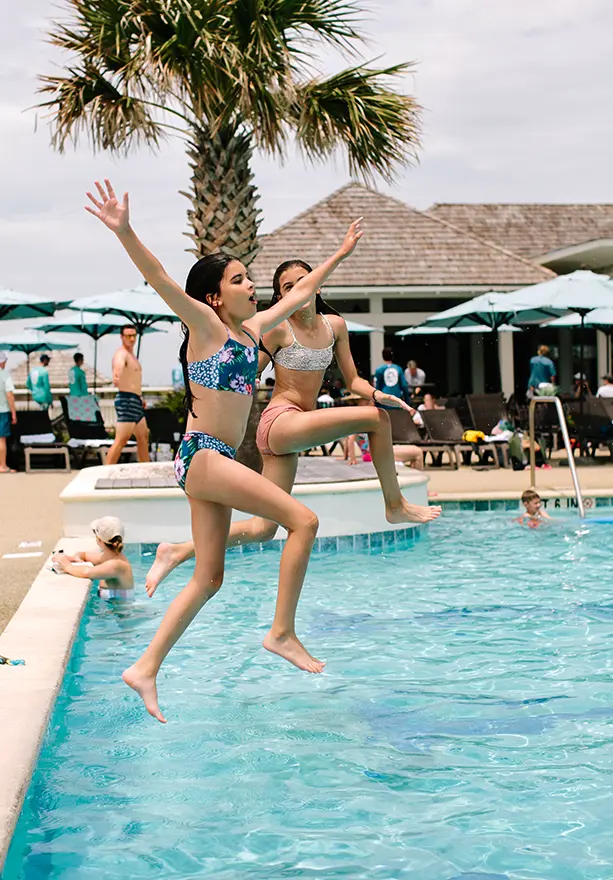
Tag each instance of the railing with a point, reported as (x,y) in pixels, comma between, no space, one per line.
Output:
(569,452)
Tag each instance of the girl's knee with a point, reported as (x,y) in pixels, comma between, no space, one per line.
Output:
(307,523)
(266,532)
(209,582)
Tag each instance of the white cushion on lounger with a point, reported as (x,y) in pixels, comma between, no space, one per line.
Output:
(33,439)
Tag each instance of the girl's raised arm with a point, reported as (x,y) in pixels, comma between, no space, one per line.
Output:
(116,216)
(306,288)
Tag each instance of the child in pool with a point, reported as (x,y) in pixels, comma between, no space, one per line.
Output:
(534,515)
(108,565)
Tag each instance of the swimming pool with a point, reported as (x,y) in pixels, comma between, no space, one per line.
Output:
(463,726)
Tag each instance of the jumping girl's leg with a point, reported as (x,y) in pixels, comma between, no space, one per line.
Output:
(214,485)
(295,431)
(280,470)
(231,484)
(210,526)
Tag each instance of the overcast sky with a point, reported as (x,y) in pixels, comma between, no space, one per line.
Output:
(517,97)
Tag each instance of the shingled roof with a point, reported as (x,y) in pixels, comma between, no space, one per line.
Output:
(61,362)
(530,230)
(401,247)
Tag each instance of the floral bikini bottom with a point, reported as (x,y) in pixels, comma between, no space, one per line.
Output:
(190,445)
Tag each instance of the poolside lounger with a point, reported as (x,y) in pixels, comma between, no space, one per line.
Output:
(405,431)
(444,425)
(591,423)
(486,410)
(87,434)
(36,436)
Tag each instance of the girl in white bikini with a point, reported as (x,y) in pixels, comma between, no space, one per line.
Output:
(302,348)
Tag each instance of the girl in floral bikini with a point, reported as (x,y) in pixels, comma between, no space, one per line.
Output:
(302,348)
(219,356)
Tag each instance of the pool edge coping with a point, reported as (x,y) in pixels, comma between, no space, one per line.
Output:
(43,629)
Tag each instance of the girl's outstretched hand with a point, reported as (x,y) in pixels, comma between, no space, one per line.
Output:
(113,213)
(393,402)
(354,234)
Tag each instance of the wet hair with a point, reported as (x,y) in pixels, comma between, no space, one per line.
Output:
(530,495)
(115,544)
(387,354)
(321,307)
(204,280)
(77,357)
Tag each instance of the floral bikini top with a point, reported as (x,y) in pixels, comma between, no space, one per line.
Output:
(232,368)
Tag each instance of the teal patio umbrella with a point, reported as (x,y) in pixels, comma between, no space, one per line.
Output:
(355,327)
(140,306)
(492,310)
(93,325)
(425,330)
(597,319)
(28,342)
(15,306)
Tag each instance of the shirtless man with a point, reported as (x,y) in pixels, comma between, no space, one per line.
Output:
(129,405)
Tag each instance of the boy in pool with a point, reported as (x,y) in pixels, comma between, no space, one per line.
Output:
(534,515)
(108,565)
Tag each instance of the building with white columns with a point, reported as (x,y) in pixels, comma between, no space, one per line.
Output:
(412,264)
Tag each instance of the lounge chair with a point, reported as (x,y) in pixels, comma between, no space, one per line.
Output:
(444,426)
(163,427)
(85,427)
(406,432)
(37,437)
(591,423)
(486,410)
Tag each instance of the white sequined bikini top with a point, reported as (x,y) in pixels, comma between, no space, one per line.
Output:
(298,357)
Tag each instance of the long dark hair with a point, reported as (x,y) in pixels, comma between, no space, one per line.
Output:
(203,281)
(321,307)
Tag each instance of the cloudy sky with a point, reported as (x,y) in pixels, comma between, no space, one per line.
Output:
(517,103)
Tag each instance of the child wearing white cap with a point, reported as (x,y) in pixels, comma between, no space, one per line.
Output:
(108,565)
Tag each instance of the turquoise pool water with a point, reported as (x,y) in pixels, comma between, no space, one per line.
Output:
(463,729)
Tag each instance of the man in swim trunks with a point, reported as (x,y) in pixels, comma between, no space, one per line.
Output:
(129,405)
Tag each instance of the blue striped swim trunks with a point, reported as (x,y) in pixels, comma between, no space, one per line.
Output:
(129,407)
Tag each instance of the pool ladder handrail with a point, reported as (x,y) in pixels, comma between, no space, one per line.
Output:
(569,452)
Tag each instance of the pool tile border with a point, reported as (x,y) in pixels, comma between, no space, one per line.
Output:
(555,502)
(375,542)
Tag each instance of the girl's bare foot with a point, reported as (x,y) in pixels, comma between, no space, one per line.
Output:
(167,558)
(291,649)
(411,513)
(145,687)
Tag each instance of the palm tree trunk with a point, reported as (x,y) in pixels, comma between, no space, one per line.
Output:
(225,217)
(224,214)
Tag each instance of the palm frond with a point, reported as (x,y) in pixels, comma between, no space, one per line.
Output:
(356,110)
(334,21)
(88,102)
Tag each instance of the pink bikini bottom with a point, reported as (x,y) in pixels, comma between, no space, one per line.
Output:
(270,414)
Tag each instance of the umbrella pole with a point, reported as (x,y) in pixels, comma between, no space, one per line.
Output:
(28,371)
(140,339)
(581,374)
(95,362)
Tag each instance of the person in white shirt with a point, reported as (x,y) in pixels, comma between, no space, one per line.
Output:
(8,413)
(415,377)
(606,389)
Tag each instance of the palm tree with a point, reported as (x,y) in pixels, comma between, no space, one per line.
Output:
(229,76)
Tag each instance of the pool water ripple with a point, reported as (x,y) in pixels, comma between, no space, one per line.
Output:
(462,729)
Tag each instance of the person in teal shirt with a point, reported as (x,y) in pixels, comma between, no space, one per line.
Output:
(389,377)
(77,380)
(38,383)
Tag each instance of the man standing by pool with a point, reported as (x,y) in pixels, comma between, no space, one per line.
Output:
(389,378)
(129,405)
